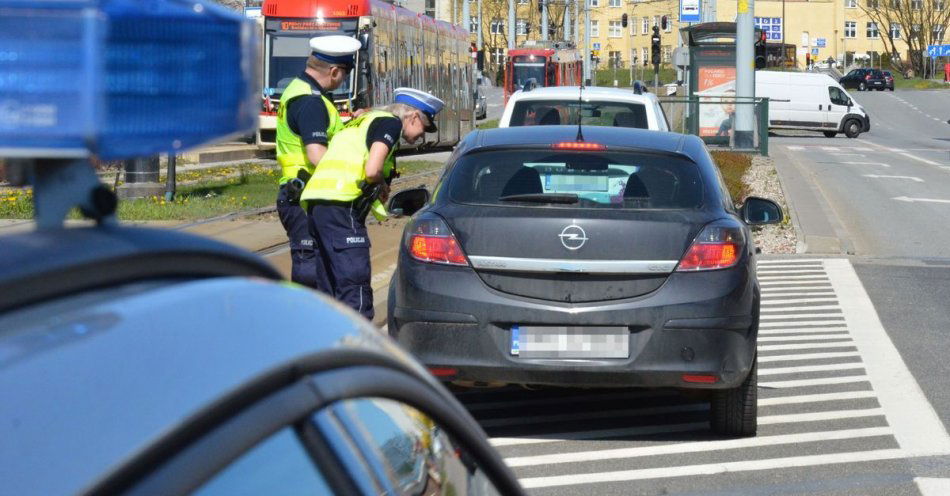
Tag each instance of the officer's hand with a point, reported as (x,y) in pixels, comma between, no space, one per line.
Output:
(384,193)
(358,112)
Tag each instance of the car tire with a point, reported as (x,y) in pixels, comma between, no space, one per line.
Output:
(734,412)
(862,86)
(830,134)
(892,89)
(852,128)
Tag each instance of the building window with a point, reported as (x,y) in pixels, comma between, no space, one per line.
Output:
(669,24)
(430,8)
(614,3)
(872,30)
(614,58)
(497,26)
(938,5)
(851,4)
(896,30)
(667,53)
(614,30)
(656,20)
(939,32)
(850,29)
(646,56)
(633,26)
(521,27)
(895,4)
(594,29)
(873,4)
(916,4)
(523,2)
(498,56)
(595,3)
(914,29)
(646,25)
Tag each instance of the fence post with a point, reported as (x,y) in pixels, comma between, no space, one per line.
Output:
(764,127)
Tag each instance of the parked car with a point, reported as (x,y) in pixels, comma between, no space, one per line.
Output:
(481,102)
(810,102)
(864,79)
(592,106)
(889,80)
(146,362)
(592,257)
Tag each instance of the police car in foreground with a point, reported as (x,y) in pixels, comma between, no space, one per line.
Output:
(590,106)
(594,257)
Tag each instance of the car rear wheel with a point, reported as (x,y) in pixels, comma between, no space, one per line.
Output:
(852,128)
(862,86)
(830,134)
(734,412)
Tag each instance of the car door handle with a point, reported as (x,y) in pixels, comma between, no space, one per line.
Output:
(821,108)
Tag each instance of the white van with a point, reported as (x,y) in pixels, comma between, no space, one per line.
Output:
(816,102)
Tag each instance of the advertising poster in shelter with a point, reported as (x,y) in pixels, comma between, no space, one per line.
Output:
(717,92)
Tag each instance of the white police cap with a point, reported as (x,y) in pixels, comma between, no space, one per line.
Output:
(427,103)
(335,49)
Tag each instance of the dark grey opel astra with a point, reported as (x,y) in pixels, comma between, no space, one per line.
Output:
(601,258)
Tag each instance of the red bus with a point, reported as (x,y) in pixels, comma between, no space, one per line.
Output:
(400,48)
(548,64)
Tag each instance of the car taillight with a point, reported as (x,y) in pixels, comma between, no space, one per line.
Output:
(430,240)
(867,77)
(579,146)
(718,246)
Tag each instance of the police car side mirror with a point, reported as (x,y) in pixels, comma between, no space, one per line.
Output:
(408,202)
(760,211)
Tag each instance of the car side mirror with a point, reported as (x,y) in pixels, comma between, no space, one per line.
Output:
(408,202)
(759,212)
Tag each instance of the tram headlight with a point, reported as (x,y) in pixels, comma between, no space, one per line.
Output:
(121,78)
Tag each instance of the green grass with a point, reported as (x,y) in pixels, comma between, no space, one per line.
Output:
(492,124)
(919,83)
(220,191)
(733,166)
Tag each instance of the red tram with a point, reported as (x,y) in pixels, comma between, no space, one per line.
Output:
(400,48)
(548,64)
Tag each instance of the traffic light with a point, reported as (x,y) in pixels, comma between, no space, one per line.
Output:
(760,58)
(623,20)
(655,46)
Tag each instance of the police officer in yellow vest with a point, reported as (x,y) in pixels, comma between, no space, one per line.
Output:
(352,180)
(307,120)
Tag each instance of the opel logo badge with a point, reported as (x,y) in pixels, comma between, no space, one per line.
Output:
(573,237)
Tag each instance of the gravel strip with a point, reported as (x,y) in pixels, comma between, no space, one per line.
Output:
(763,181)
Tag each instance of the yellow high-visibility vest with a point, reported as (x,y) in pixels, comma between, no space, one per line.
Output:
(291,152)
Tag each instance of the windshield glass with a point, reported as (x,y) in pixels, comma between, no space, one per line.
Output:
(288,46)
(556,112)
(552,179)
(525,67)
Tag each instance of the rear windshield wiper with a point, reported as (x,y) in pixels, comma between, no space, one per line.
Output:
(566,198)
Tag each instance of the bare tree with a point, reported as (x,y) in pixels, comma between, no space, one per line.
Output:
(913,24)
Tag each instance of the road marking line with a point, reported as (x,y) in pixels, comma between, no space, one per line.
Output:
(795,148)
(693,447)
(919,200)
(847,343)
(839,320)
(895,150)
(830,148)
(807,356)
(881,164)
(773,311)
(879,176)
(917,427)
(589,415)
(919,159)
(812,337)
(770,270)
(801,330)
(824,381)
(716,468)
(609,395)
(780,261)
(816,398)
(774,290)
(862,149)
(783,278)
(383,276)
(931,486)
(799,300)
(788,317)
(811,368)
(776,294)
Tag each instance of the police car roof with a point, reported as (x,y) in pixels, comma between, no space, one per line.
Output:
(589,93)
(92,379)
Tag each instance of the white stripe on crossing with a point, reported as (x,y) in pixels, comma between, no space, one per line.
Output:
(783,278)
(816,398)
(807,356)
(788,317)
(774,294)
(800,309)
(800,300)
(805,346)
(830,148)
(769,291)
(796,270)
(810,368)
(823,381)
(774,286)
(780,261)
(800,330)
(929,486)
(837,321)
(715,468)
(795,148)
(807,337)
(680,448)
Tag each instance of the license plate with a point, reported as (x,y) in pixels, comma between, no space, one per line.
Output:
(570,342)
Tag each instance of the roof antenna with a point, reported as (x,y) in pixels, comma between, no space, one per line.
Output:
(580,106)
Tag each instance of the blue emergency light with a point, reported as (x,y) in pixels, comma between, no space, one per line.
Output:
(123,78)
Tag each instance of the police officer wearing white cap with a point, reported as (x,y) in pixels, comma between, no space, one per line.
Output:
(353,180)
(307,120)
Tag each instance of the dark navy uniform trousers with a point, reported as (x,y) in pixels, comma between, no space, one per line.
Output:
(305,268)
(342,248)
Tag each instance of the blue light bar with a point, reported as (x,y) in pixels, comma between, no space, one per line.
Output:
(123,78)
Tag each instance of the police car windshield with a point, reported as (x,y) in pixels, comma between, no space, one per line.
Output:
(288,46)
(583,179)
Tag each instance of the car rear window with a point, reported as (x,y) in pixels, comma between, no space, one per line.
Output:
(576,179)
(594,113)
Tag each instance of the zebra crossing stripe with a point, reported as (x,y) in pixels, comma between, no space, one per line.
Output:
(774,293)
(810,368)
(800,330)
(771,302)
(788,317)
(807,356)
(816,398)
(839,320)
(808,337)
(680,448)
(823,381)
